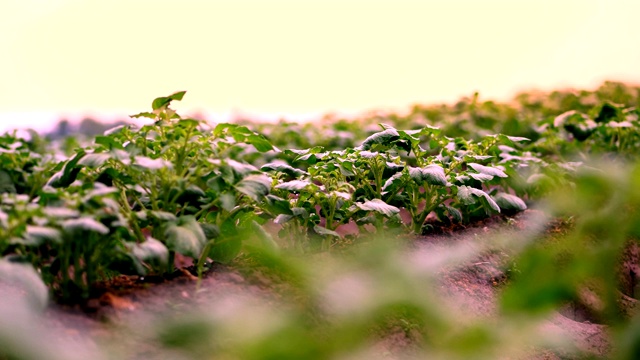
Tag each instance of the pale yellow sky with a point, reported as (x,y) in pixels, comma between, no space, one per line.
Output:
(75,57)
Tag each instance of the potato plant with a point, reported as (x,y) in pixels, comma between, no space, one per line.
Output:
(130,200)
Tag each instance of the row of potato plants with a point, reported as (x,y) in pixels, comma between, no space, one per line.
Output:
(136,197)
(133,198)
(601,117)
(346,306)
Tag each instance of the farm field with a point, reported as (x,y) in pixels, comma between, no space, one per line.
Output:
(472,230)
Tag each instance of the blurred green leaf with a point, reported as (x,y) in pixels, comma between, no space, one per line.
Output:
(378,206)
(164,101)
(185,237)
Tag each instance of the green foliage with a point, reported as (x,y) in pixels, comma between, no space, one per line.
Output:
(131,199)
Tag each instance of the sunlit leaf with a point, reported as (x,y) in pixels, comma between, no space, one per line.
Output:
(259,142)
(324,231)
(151,250)
(69,172)
(60,212)
(255,186)
(94,160)
(510,202)
(487,170)
(467,196)
(162,215)
(393,182)
(239,168)
(282,218)
(283,168)
(151,164)
(37,235)
(115,130)
(432,174)
(148,115)
(4,218)
(294,185)
(164,101)
(386,137)
(85,223)
(378,206)
(480,176)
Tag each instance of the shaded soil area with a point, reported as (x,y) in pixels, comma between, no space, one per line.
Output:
(472,282)
(474,285)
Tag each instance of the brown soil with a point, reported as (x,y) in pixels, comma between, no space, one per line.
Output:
(472,288)
(473,285)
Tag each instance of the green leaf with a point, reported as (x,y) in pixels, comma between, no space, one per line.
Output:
(265,238)
(185,237)
(194,191)
(222,128)
(608,112)
(4,219)
(275,205)
(395,181)
(151,250)
(60,212)
(455,213)
(293,185)
(210,231)
(151,164)
(467,195)
(386,137)
(94,160)
(69,172)
(36,235)
(478,176)
(378,206)
(282,218)
(108,142)
(324,231)
(243,134)
(509,202)
(371,219)
(183,241)
(225,249)
(227,201)
(148,115)
(114,130)
(571,115)
(516,139)
(85,223)
(488,170)
(163,215)
(433,174)
(283,168)
(259,142)
(6,183)
(164,101)
(187,123)
(255,186)
(239,168)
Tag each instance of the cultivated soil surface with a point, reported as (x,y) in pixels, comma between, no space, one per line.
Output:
(472,283)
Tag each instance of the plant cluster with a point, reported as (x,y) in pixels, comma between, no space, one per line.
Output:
(133,199)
